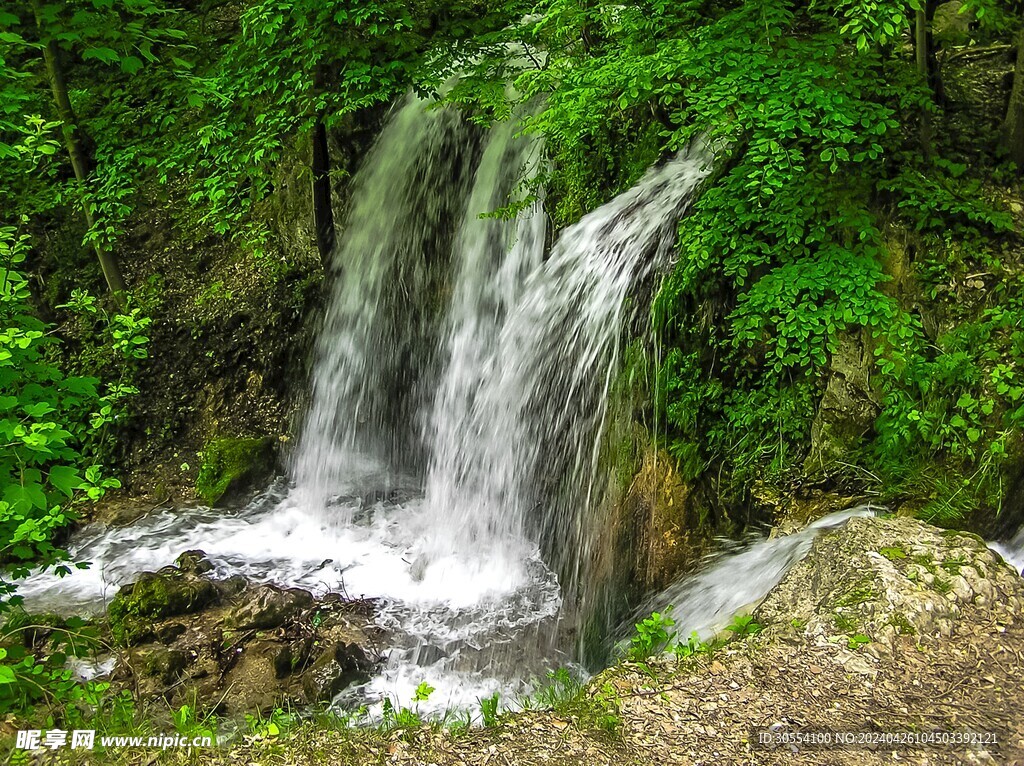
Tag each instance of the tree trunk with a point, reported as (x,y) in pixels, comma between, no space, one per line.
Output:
(79,162)
(921,49)
(1013,126)
(323,213)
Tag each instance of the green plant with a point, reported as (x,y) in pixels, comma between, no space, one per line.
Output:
(398,717)
(653,635)
(787,250)
(693,646)
(564,693)
(273,725)
(48,421)
(743,625)
(489,707)
(893,553)
(844,623)
(857,640)
(423,692)
(189,723)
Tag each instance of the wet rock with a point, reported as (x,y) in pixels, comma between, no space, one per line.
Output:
(299,653)
(194,562)
(168,633)
(232,466)
(268,607)
(153,596)
(253,683)
(233,647)
(160,663)
(231,586)
(338,667)
(670,522)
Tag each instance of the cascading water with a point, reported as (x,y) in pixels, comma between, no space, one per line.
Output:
(1012,550)
(533,420)
(449,455)
(397,234)
(467,512)
(736,578)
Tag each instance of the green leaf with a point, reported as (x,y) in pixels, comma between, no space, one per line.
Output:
(131,64)
(25,497)
(38,410)
(106,55)
(65,478)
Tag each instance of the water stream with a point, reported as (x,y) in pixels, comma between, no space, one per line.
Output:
(736,577)
(1012,550)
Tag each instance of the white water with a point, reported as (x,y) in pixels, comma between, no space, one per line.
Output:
(1012,550)
(447,460)
(734,580)
(470,513)
(409,195)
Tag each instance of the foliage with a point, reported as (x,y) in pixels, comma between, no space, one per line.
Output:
(693,646)
(423,692)
(857,640)
(35,676)
(397,717)
(54,425)
(189,722)
(653,635)
(565,693)
(812,112)
(743,625)
(273,725)
(489,707)
(48,420)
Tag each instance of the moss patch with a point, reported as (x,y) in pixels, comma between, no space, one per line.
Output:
(228,463)
(153,596)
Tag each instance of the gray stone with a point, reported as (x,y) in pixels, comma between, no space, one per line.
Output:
(268,606)
(888,579)
(194,562)
(338,667)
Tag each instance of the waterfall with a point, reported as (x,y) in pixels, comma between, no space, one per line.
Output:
(494,257)
(1012,550)
(396,237)
(448,460)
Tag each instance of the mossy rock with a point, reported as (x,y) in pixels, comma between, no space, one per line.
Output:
(232,465)
(154,596)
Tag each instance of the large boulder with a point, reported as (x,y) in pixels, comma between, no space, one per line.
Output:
(878,581)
